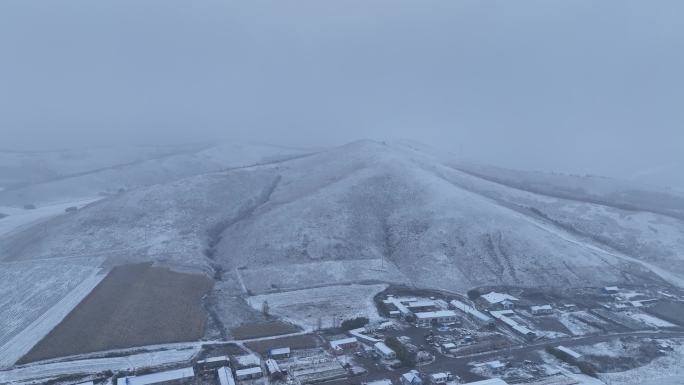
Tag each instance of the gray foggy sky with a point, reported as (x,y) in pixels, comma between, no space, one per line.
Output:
(590,86)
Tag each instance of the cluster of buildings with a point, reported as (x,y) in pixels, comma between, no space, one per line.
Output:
(228,371)
(414,377)
(425,312)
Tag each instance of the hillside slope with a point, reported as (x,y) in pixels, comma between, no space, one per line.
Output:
(362,212)
(78,176)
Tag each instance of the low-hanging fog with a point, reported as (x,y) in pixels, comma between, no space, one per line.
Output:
(572,86)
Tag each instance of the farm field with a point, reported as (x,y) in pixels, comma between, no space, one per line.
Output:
(263,329)
(35,296)
(135,305)
(671,311)
(330,304)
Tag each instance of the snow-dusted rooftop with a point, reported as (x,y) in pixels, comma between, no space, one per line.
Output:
(383,348)
(436,314)
(225,376)
(491,381)
(280,351)
(336,343)
(411,376)
(155,378)
(494,297)
(439,376)
(471,310)
(380,382)
(248,371)
(569,352)
(214,359)
(423,303)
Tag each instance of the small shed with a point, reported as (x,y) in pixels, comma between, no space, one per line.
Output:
(249,373)
(280,353)
(385,351)
(542,309)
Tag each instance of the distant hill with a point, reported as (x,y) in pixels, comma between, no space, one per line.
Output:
(376,211)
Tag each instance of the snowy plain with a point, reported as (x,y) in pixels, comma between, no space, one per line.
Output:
(35,296)
(331,304)
(18,218)
(96,365)
(667,370)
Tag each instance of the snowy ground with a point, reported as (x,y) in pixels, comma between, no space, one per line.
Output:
(576,327)
(667,370)
(18,217)
(331,304)
(36,296)
(143,360)
(296,276)
(650,320)
(612,348)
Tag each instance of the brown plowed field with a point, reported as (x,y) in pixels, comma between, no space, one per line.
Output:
(134,305)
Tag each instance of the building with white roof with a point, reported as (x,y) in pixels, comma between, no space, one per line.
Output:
(542,309)
(411,378)
(225,376)
(249,373)
(379,382)
(272,367)
(494,298)
(280,353)
(399,305)
(212,363)
(359,334)
(472,312)
(502,315)
(421,305)
(448,347)
(440,316)
(439,378)
(569,352)
(156,378)
(385,351)
(341,345)
(491,381)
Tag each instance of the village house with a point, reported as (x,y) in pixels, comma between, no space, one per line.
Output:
(541,310)
(279,353)
(249,373)
(411,378)
(385,351)
(439,378)
(212,363)
(343,345)
(440,316)
(225,376)
(494,300)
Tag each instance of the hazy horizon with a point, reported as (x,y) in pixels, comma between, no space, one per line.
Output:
(519,85)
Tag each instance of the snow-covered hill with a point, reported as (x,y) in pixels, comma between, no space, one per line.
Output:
(377,211)
(50,177)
